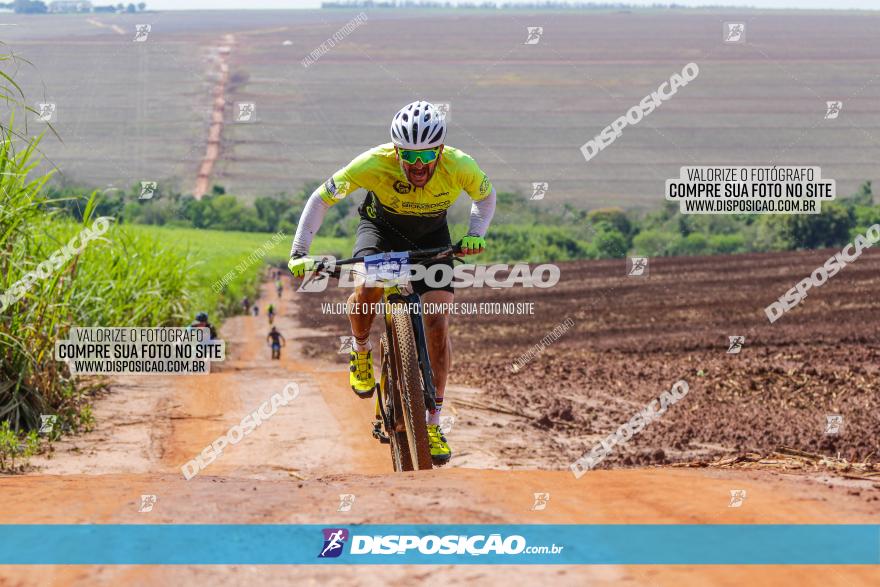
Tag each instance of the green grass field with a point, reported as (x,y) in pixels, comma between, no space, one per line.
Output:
(236,256)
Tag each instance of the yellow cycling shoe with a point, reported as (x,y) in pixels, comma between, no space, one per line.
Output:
(440,451)
(360,376)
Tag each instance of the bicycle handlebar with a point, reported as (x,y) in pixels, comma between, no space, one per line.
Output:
(421,255)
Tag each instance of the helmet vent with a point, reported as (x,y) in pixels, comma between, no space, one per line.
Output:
(436,135)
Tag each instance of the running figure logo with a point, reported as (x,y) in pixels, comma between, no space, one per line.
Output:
(446,423)
(541,500)
(539,190)
(443,108)
(638,266)
(141,32)
(47,423)
(833,422)
(737,497)
(535,34)
(148,190)
(147,503)
(46,112)
(334,541)
(736,344)
(734,32)
(346,501)
(245,112)
(346,344)
(832,109)
(316,281)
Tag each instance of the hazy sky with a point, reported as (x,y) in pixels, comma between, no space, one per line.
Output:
(230,4)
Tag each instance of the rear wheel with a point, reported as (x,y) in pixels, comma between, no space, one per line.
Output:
(412,391)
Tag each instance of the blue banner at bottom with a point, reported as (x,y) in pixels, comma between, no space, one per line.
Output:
(665,544)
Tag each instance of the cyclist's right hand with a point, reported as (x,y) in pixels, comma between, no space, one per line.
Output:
(299,265)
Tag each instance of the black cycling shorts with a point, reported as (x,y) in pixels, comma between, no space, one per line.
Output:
(372,239)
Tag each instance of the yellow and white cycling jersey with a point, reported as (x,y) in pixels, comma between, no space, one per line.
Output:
(379,172)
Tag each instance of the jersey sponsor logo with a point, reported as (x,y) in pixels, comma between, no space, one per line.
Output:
(426,205)
(441,194)
(484,185)
(336,191)
(402,187)
(371,210)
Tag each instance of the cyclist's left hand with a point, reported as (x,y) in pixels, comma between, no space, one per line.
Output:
(299,265)
(473,245)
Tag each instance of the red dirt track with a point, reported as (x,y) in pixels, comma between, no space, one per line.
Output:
(632,339)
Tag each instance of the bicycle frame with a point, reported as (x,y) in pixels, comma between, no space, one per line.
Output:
(413,300)
(392,418)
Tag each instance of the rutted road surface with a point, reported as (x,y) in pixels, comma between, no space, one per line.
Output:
(293,468)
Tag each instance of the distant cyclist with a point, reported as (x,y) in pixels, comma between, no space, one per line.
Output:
(411,182)
(270,311)
(246,305)
(279,286)
(256,309)
(277,341)
(201,321)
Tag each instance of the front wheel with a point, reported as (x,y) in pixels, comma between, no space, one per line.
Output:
(393,409)
(412,391)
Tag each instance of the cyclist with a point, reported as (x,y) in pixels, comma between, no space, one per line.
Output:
(256,309)
(279,286)
(246,304)
(201,321)
(410,183)
(270,311)
(277,340)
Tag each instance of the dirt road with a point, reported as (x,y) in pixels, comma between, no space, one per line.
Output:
(293,468)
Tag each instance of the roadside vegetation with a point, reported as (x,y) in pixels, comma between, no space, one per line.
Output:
(130,275)
(523,230)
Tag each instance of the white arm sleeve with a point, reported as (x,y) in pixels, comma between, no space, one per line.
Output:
(481,215)
(309,223)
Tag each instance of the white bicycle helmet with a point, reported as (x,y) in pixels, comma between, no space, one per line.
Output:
(419,125)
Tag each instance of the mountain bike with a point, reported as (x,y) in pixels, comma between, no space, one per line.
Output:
(406,384)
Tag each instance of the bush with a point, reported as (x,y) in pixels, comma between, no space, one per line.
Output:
(693,244)
(615,217)
(610,243)
(654,243)
(831,228)
(723,244)
(13,445)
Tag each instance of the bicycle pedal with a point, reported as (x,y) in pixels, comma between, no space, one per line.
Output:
(379,435)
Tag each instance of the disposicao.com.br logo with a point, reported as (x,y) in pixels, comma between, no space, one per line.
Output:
(334,540)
